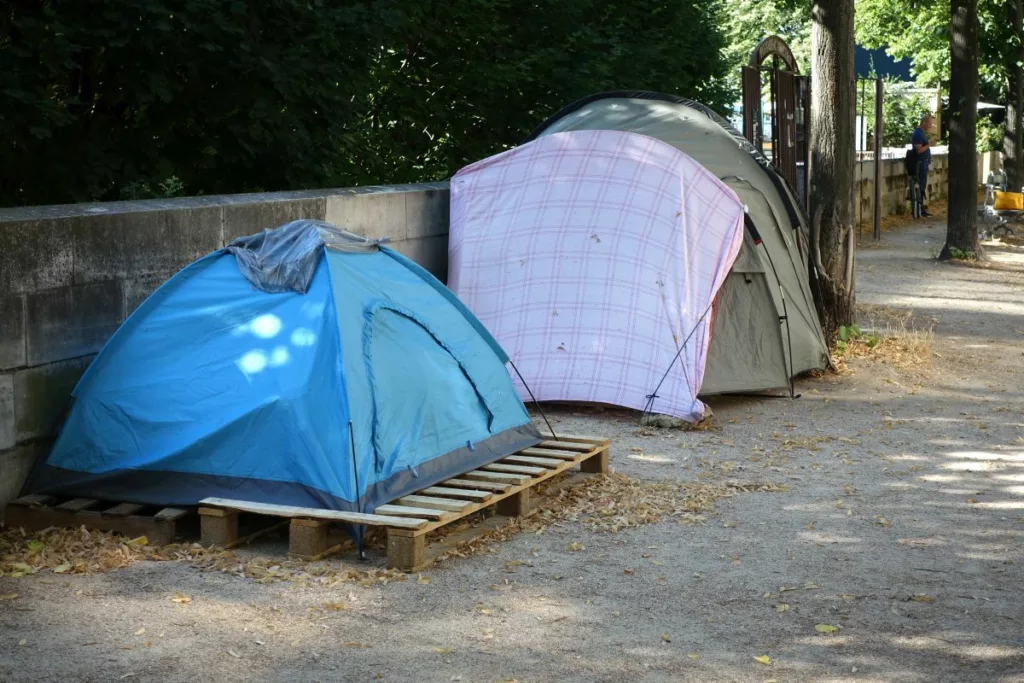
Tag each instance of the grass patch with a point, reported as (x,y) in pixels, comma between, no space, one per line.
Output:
(887,335)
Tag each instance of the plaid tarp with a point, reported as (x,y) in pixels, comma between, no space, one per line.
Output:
(591,256)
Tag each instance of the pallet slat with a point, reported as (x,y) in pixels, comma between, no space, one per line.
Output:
(479,484)
(123,509)
(568,446)
(505,477)
(170,514)
(468,494)
(547,463)
(550,453)
(592,440)
(514,469)
(34,515)
(436,503)
(409,511)
(293,511)
(33,499)
(77,504)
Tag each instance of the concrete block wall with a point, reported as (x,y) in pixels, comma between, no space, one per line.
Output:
(894,188)
(69,275)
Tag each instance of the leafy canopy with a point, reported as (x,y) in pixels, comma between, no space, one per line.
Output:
(105,99)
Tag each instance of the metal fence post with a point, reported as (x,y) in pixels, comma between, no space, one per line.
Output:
(876,219)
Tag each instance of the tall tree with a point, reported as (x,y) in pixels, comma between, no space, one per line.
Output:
(1013,155)
(962,226)
(832,163)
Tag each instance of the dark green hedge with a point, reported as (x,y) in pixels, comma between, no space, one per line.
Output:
(108,99)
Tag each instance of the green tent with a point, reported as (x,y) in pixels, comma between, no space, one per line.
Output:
(766,329)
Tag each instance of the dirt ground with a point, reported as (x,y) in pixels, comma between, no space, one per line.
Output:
(901,526)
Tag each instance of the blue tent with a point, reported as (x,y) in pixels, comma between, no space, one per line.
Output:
(300,366)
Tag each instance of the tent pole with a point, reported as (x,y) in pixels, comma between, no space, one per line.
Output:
(359,496)
(534,399)
(785,318)
(756,236)
(654,394)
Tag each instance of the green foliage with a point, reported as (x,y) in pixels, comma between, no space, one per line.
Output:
(133,98)
(750,21)
(226,95)
(849,334)
(989,135)
(462,79)
(917,30)
(908,30)
(961,255)
(902,110)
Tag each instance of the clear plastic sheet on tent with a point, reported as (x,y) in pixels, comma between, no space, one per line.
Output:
(285,258)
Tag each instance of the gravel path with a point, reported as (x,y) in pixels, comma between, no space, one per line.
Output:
(901,483)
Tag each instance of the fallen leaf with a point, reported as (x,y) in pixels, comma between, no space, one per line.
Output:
(576,547)
(882,521)
(763,659)
(234,654)
(826,628)
(180,598)
(336,606)
(782,607)
(444,650)
(140,631)
(35,546)
(693,655)
(22,642)
(629,571)
(61,568)
(9,596)
(424,580)
(124,676)
(141,540)
(664,636)
(921,597)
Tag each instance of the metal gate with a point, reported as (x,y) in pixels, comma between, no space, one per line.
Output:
(789,99)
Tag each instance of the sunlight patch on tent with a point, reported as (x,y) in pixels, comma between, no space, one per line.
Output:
(279,356)
(303,337)
(253,362)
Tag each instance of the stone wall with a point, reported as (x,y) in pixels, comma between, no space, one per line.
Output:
(894,187)
(69,275)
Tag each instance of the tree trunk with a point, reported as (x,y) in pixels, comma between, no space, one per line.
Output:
(832,161)
(1013,155)
(962,225)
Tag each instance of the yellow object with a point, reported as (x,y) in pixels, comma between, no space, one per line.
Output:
(1009,201)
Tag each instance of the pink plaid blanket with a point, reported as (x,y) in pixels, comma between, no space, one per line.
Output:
(591,256)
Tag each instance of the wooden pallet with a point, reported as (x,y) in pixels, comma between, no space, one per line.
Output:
(36,512)
(504,484)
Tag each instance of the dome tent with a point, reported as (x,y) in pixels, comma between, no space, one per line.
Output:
(595,256)
(301,366)
(766,329)
(763,326)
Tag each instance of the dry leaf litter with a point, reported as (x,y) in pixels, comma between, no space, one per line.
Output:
(608,503)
